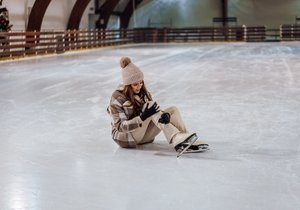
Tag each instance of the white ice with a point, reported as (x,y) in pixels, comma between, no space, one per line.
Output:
(56,150)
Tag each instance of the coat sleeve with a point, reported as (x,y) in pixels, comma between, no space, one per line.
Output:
(120,120)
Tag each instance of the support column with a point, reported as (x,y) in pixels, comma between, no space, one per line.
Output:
(76,14)
(105,11)
(224,4)
(37,14)
(127,13)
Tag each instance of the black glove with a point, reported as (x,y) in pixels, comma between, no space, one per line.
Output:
(148,112)
(165,118)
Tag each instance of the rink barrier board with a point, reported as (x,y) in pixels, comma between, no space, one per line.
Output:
(16,44)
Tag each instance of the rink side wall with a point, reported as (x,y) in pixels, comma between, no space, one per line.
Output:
(165,13)
(152,22)
(16,44)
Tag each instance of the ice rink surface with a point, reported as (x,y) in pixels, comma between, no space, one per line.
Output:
(56,150)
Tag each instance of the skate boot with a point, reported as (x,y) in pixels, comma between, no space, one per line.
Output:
(183,141)
(191,145)
(197,146)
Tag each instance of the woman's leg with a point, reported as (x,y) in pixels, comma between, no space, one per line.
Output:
(151,127)
(146,133)
(151,132)
(176,119)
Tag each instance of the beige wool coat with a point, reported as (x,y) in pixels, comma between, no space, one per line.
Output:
(121,110)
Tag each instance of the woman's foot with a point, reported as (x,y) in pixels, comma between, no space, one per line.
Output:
(197,146)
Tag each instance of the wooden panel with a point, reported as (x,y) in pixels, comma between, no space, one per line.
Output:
(33,43)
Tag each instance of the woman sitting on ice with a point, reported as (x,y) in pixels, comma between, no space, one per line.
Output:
(136,119)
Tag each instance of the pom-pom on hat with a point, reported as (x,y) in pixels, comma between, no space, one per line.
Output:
(130,73)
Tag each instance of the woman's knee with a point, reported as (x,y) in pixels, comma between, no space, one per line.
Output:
(171,109)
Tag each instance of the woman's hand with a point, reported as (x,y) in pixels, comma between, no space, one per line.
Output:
(165,118)
(148,112)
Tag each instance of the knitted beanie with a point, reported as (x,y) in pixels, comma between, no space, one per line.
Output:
(130,73)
